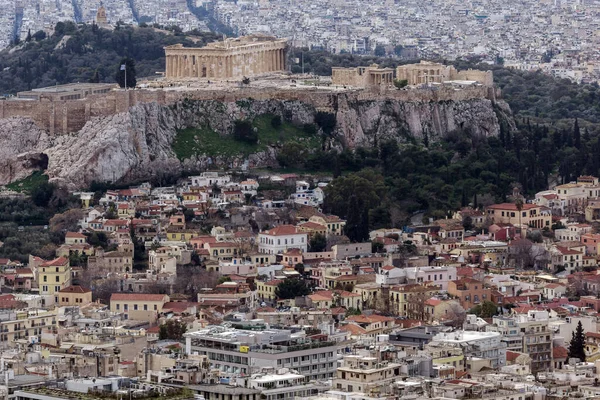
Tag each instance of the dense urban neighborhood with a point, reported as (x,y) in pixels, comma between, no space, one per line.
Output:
(236,285)
(217,200)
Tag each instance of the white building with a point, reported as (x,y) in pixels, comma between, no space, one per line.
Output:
(210,179)
(281,238)
(477,345)
(437,275)
(286,385)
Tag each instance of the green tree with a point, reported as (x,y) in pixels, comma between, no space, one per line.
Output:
(129,71)
(577,345)
(318,243)
(276,122)
(355,229)
(326,121)
(39,35)
(172,330)
(352,311)
(400,83)
(380,50)
(292,154)
(42,194)
(291,288)
(367,186)
(576,134)
(243,131)
(377,247)
(95,77)
(487,309)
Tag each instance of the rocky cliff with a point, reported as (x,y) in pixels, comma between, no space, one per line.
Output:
(138,144)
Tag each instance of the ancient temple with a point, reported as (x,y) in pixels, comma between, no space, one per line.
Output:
(232,58)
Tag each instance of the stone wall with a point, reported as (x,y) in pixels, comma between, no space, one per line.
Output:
(60,117)
(484,77)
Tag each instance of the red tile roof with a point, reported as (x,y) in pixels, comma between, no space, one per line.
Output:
(282,230)
(57,262)
(559,352)
(138,297)
(75,235)
(75,289)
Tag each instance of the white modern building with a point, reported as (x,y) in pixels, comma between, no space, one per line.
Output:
(250,347)
(477,345)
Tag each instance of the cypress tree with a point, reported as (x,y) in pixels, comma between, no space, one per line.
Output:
(577,345)
(576,134)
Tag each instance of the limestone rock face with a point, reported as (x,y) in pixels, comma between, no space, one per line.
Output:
(126,147)
(136,145)
(368,122)
(21,149)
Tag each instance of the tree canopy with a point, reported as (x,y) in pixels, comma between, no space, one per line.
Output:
(172,330)
(90,54)
(292,287)
(487,309)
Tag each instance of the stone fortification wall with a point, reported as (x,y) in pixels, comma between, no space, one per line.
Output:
(485,77)
(60,117)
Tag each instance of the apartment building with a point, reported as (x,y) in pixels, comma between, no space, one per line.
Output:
(537,339)
(367,375)
(54,275)
(487,346)
(247,348)
(24,324)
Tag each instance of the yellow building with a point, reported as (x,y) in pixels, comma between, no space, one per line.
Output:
(74,296)
(312,228)
(410,300)
(223,250)
(335,225)
(138,306)
(531,215)
(184,235)
(54,275)
(21,325)
(266,290)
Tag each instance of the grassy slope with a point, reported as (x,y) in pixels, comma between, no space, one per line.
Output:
(204,141)
(26,185)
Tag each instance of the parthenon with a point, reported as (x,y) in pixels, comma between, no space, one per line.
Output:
(232,58)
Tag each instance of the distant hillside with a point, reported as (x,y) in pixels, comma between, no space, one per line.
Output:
(84,53)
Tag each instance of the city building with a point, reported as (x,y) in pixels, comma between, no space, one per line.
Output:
(248,347)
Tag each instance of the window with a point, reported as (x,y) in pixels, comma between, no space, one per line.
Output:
(145,307)
(57,279)
(118,306)
(45,278)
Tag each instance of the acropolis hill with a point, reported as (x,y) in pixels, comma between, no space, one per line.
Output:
(87,132)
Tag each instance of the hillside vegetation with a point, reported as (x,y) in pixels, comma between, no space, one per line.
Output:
(86,53)
(194,142)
